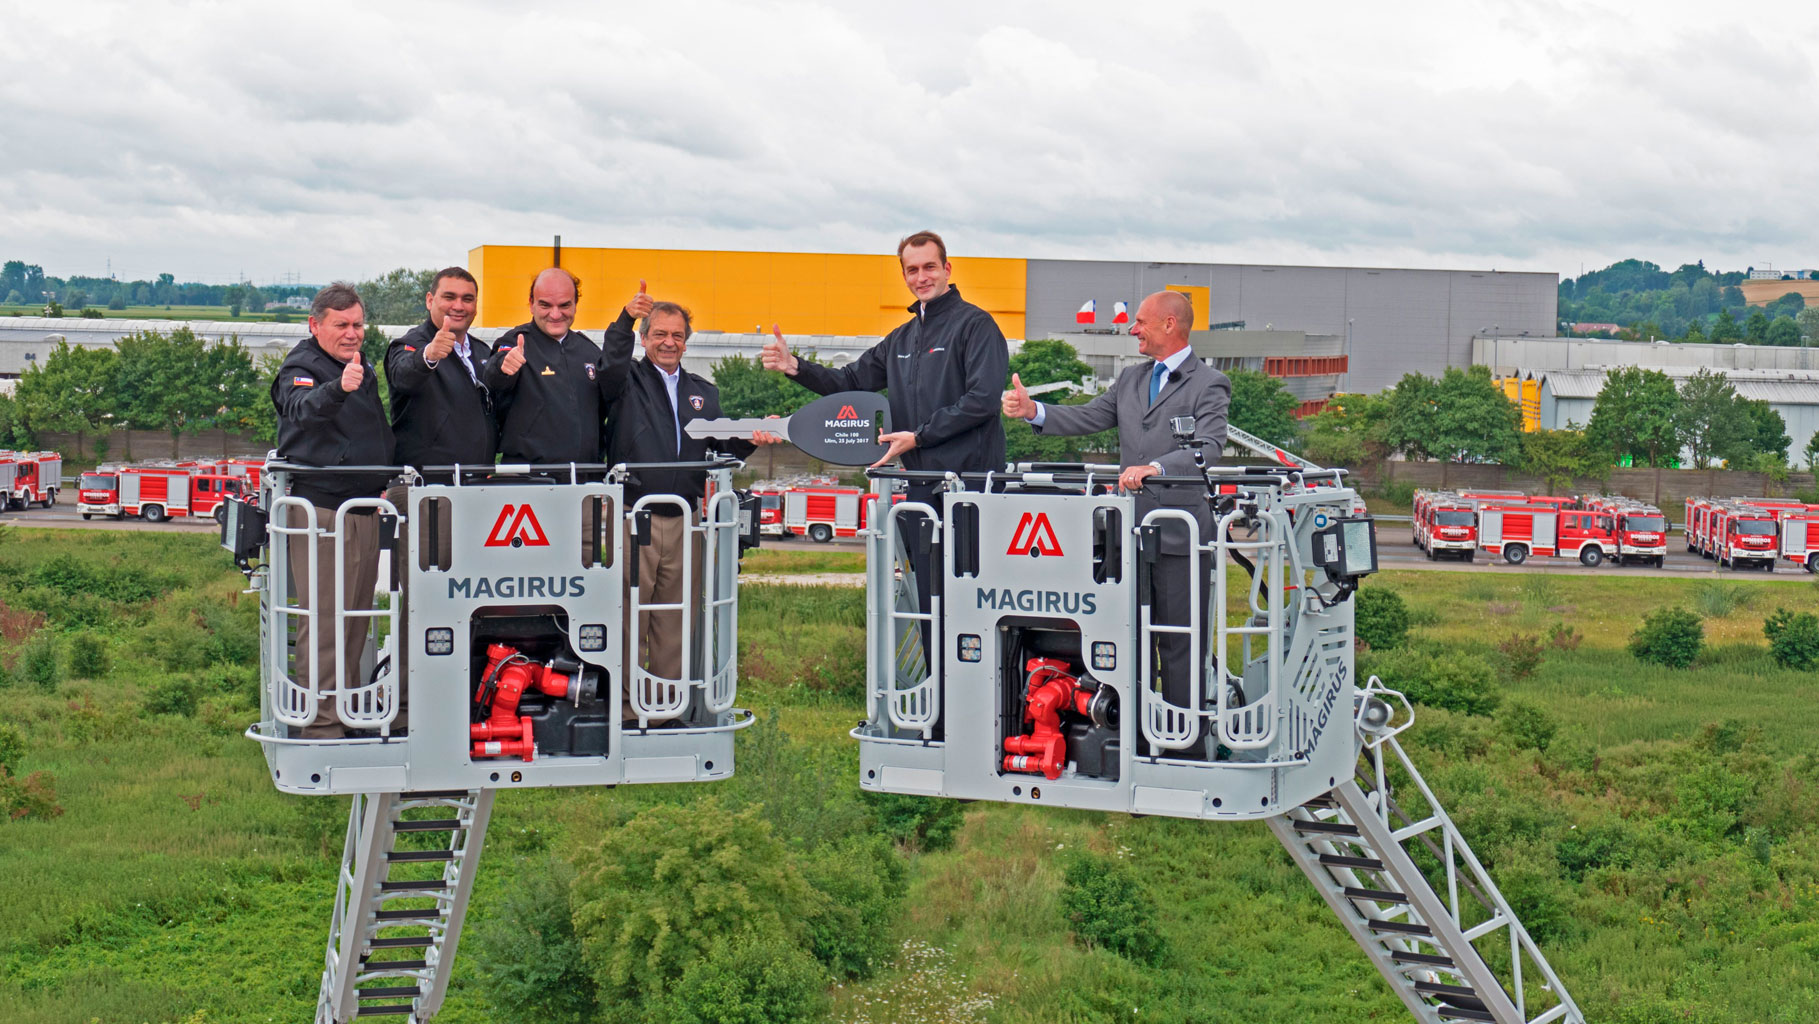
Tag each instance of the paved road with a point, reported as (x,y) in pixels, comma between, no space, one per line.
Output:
(1394,549)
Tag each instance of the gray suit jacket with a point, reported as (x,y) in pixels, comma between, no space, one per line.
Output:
(1195,390)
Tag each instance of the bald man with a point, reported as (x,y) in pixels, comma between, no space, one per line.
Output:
(1141,404)
(552,383)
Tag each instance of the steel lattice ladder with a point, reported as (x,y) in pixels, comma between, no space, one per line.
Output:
(1366,857)
(395,962)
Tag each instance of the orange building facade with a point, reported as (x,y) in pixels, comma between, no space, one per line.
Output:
(807,293)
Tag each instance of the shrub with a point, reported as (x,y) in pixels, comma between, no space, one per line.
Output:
(1608,844)
(34,796)
(1521,655)
(918,822)
(1528,725)
(673,884)
(12,746)
(1562,637)
(1381,618)
(39,663)
(1669,636)
(757,980)
(88,658)
(527,952)
(1793,638)
(1109,910)
(863,879)
(1440,679)
(174,695)
(1715,600)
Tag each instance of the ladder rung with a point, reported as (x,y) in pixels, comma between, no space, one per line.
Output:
(393,1010)
(401,942)
(1427,959)
(1336,828)
(429,825)
(398,856)
(1461,1013)
(1445,991)
(1407,832)
(387,966)
(435,794)
(1342,861)
(408,915)
(405,885)
(1380,895)
(1486,926)
(1405,927)
(391,992)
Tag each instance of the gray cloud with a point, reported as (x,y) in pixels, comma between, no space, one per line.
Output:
(340,140)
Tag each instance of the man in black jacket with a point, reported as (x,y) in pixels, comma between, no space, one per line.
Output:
(945,370)
(646,422)
(553,383)
(441,413)
(327,397)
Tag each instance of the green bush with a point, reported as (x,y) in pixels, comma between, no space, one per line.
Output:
(527,953)
(12,746)
(1380,618)
(88,658)
(173,695)
(1437,678)
(40,663)
(863,878)
(919,822)
(1793,639)
(757,980)
(1109,910)
(34,796)
(673,884)
(1521,654)
(1583,850)
(1669,636)
(1528,725)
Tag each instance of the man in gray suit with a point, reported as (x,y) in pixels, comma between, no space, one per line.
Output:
(1140,405)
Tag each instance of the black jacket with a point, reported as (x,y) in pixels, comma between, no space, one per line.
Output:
(439,415)
(642,429)
(550,411)
(321,425)
(946,370)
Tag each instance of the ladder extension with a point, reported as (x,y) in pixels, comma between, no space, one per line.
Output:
(395,962)
(1365,856)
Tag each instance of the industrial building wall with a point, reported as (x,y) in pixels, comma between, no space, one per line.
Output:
(808,293)
(1399,320)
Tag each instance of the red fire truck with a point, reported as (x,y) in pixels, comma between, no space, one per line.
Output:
(1641,528)
(823,513)
(1445,522)
(1515,532)
(36,478)
(158,493)
(1799,533)
(1734,531)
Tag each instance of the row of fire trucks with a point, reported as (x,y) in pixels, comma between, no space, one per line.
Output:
(156,492)
(28,478)
(1514,526)
(1758,532)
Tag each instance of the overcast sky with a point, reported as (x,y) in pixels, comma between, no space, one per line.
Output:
(331,139)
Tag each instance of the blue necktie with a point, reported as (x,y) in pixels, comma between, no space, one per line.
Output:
(1156,381)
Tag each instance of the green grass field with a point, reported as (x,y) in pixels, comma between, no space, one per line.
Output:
(1660,846)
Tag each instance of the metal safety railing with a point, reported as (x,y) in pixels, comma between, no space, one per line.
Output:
(916,707)
(373,704)
(1167,725)
(720,654)
(1254,725)
(654,697)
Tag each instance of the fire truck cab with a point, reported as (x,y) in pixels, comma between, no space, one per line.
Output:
(1744,534)
(1445,523)
(1641,529)
(37,478)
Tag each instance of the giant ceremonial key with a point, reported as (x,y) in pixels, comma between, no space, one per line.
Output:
(841,428)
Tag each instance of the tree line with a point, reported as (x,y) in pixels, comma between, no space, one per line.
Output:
(1688,305)
(26,284)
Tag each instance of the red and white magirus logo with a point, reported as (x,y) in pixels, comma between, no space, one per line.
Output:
(1034,537)
(847,417)
(517,527)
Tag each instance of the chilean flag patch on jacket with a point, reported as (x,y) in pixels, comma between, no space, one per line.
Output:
(303,382)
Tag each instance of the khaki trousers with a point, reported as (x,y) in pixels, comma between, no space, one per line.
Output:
(315,652)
